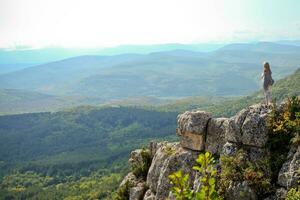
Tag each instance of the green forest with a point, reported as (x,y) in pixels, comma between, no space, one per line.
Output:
(82,153)
(65,150)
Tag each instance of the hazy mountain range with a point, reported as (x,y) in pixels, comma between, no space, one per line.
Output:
(28,56)
(231,70)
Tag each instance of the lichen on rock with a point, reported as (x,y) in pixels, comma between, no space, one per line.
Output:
(289,175)
(191,128)
(164,164)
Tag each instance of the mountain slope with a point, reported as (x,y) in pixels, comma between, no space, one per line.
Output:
(45,55)
(224,72)
(14,101)
(283,88)
(58,75)
(7,68)
(73,139)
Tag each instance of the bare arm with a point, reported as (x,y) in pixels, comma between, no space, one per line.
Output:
(262,75)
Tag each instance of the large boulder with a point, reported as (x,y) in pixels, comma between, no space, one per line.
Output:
(288,174)
(153,146)
(137,192)
(191,128)
(215,137)
(192,141)
(248,127)
(167,160)
(254,128)
(162,153)
(136,157)
(130,178)
(233,126)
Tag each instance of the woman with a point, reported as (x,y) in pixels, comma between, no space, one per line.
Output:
(267,82)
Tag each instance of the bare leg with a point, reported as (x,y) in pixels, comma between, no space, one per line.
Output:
(266,96)
(269,95)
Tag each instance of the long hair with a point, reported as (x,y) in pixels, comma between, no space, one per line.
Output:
(267,68)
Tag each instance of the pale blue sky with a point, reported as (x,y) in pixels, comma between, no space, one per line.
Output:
(103,23)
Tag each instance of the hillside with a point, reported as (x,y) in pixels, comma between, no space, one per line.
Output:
(230,71)
(283,88)
(16,101)
(6,68)
(66,137)
(20,101)
(73,147)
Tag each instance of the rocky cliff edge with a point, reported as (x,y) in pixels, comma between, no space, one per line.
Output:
(198,131)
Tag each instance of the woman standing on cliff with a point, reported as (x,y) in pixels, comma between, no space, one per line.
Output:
(267,82)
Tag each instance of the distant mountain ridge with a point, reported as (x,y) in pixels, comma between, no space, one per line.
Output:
(26,55)
(233,70)
(269,47)
(18,101)
(45,55)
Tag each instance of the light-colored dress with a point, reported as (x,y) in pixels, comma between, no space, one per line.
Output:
(267,81)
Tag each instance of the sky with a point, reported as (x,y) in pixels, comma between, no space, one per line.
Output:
(106,23)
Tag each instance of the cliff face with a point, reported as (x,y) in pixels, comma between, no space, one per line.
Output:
(199,132)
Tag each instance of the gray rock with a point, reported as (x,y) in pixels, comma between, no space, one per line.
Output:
(191,128)
(166,162)
(197,182)
(130,177)
(241,116)
(149,195)
(233,126)
(254,130)
(193,122)
(288,175)
(282,106)
(260,108)
(135,157)
(229,149)
(184,160)
(192,141)
(156,165)
(159,158)
(153,148)
(280,194)
(240,191)
(171,196)
(137,192)
(215,137)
